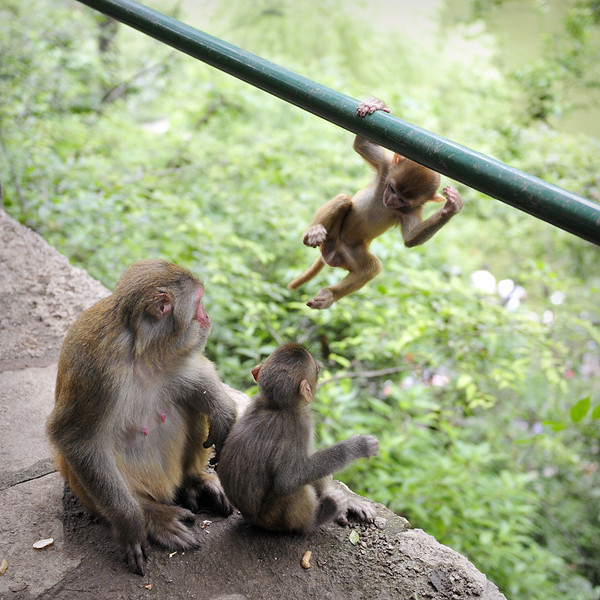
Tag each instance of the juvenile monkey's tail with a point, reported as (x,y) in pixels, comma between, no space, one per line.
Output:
(307,275)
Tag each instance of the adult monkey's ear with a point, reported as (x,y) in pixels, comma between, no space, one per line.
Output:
(256,371)
(161,305)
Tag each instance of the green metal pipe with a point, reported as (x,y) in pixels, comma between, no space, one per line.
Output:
(530,194)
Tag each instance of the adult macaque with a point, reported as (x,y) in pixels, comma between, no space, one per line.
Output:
(138,407)
(268,467)
(345,227)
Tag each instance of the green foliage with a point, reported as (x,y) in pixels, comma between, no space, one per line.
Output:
(115,148)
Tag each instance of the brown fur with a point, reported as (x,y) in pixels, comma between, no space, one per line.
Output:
(138,406)
(345,227)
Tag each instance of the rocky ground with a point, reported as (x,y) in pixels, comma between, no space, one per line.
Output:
(41,296)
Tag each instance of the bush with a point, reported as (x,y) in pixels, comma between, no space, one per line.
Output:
(115,148)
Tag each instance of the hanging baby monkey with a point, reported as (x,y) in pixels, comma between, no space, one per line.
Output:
(345,227)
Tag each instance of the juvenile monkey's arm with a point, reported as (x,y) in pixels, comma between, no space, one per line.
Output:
(325,462)
(416,232)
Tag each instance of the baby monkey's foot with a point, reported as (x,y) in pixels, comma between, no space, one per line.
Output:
(314,236)
(324,299)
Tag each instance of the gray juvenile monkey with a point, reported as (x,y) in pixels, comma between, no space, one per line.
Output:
(268,467)
(138,406)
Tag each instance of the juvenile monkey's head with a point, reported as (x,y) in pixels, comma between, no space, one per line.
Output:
(160,304)
(287,377)
(409,185)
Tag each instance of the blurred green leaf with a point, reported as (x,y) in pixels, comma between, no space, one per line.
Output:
(580,409)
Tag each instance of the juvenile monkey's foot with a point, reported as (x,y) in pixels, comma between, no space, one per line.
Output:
(370,105)
(332,506)
(360,510)
(324,299)
(169,526)
(453,201)
(314,236)
(204,492)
